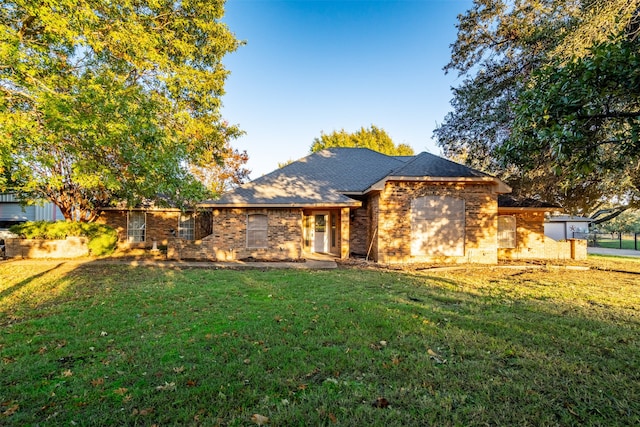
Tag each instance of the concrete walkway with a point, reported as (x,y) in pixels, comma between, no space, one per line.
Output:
(616,252)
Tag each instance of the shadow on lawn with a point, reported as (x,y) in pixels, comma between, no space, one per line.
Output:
(515,354)
(6,293)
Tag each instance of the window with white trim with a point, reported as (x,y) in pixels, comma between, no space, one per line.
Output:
(437,226)
(257,231)
(136,225)
(506,231)
(186,226)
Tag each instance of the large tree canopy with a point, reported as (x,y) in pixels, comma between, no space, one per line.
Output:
(549,98)
(373,138)
(220,177)
(110,101)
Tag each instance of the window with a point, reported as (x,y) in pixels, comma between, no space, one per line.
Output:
(506,231)
(186,226)
(256,231)
(136,224)
(437,226)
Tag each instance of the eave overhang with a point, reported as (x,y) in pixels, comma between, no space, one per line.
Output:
(354,204)
(147,209)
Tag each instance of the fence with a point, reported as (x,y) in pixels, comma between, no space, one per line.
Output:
(611,240)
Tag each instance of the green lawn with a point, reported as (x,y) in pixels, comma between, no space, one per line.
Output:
(615,243)
(95,344)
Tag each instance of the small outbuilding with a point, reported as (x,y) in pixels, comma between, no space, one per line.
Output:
(563,227)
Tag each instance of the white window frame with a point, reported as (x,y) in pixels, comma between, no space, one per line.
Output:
(438,226)
(136,231)
(507,231)
(187,226)
(257,230)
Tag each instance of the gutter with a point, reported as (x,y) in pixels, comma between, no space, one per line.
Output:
(355,204)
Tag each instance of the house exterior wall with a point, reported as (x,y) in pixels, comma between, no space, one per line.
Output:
(393,209)
(359,230)
(284,234)
(530,238)
(373,210)
(532,243)
(201,250)
(117,220)
(159,224)
(345,233)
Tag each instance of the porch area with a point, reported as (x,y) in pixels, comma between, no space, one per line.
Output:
(325,233)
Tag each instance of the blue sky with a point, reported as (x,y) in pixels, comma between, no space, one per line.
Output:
(312,66)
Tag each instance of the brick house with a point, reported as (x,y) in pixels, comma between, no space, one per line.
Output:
(522,232)
(357,202)
(141,227)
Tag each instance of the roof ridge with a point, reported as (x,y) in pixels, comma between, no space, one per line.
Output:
(441,160)
(407,163)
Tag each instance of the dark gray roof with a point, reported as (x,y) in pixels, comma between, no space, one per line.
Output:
(427,164)
(328,176)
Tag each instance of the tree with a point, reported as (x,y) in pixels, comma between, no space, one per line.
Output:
(374,138)
(518,60)
(110,101)
(628,222)
(584,116)
(220,177)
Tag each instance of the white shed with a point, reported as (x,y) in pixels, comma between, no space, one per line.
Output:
(562,227)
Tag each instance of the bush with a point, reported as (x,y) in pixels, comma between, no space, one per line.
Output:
(102,238)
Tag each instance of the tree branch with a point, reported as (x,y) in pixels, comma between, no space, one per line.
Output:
(612,213)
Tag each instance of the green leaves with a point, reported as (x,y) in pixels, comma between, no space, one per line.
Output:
(373,138)
(549,100)
(111,101)
(587,112)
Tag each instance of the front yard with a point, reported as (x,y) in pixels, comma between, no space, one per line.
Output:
(94,344)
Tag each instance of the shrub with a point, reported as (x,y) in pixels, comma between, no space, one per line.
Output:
(102,238)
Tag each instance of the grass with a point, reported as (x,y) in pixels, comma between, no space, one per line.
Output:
(612,241)
(95,344)
(615,244)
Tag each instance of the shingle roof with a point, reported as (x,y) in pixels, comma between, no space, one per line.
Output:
(427,164)
(328,176)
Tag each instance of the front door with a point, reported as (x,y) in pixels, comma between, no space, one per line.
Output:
(321,232)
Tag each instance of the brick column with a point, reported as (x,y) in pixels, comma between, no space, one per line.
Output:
(344,233)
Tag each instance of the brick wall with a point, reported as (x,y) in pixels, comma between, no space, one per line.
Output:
(284,234)
(531,243)
(359,230)
(159,224)
(202,249)
(530,238)
(373,210)
(117,220)
(394,224)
